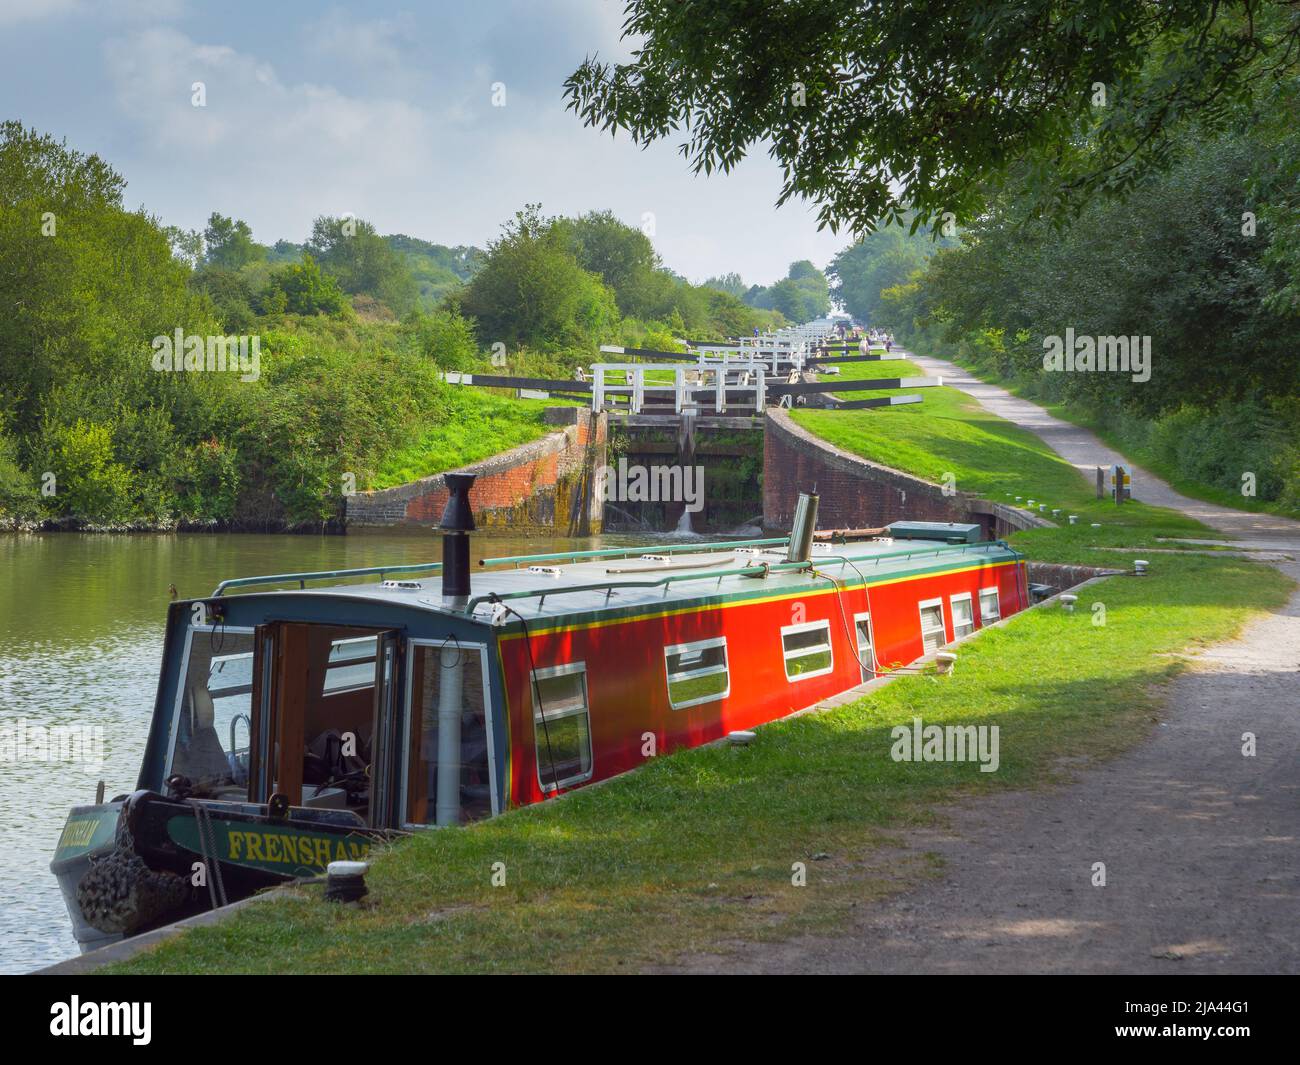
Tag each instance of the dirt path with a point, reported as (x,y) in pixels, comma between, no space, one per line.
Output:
(1201,844)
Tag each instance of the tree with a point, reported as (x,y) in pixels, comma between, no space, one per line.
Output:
(531,290)
(229,243)
(84,284)
(363,261)
(621,254)
(307,289)
(874,109)
(800,296)
(1185,275)
(881,260)
(731,283)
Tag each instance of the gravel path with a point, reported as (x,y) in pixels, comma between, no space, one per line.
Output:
(1201,844)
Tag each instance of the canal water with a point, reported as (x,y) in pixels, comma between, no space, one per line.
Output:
(81,629)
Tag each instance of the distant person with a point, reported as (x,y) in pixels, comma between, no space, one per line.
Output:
(889,342)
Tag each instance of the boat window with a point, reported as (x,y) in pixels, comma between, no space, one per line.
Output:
(807,649)
(963,616)
(697,672)
(862,632)
(990,607)
(561,725)
(932,634)
(351,665)
(211,730)
(449,781)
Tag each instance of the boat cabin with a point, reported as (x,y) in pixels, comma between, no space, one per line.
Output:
(412,705)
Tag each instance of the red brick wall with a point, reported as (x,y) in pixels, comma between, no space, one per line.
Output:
(543,485)
(855,493)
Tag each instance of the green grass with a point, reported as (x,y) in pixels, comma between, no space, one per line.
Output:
(477,424)
(1139,454)
(949,437)
(697,847)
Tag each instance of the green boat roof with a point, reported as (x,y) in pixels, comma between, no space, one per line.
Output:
(577,586)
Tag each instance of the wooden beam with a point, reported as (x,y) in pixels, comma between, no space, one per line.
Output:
(543,384)
(649,353)
(880,401)
(808,388)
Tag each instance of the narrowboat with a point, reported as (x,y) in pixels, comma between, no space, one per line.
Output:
(297,726)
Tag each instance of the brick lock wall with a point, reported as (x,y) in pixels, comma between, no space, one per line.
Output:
(528,488)
(855,493)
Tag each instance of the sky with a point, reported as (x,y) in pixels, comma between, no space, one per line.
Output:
(383,110)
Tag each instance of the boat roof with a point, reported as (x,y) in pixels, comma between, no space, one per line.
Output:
(633,579)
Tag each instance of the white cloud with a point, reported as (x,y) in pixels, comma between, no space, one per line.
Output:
(392,122)
(288,151)
(14,12)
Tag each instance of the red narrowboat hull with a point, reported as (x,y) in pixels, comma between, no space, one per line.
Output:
(627,681)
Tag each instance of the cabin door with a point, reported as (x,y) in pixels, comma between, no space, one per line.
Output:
(324,717)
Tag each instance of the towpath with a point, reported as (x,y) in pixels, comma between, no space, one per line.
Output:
(1201,844)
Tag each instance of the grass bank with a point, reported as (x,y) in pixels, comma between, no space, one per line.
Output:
(697,847)
(477,425)
(950,436)
(1137,450)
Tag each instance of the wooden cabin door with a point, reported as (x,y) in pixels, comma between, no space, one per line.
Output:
(292,666)
(279,703)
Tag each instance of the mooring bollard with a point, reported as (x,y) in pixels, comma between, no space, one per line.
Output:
(346,881)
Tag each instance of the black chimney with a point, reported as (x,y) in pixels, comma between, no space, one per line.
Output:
(457,523)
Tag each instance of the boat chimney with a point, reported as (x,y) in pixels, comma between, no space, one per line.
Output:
(456,525)
(805,524)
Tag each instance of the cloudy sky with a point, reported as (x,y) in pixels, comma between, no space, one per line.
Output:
(382,109)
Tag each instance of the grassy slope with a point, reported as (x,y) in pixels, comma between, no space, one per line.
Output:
(948,434)
(697,847)
(1142,456)
(477,424)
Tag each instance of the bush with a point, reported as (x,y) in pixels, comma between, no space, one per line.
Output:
(306,289)
(18,491)
(444,338)
(91,487)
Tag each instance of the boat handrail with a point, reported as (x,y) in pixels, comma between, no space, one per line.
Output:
(323,575)
(761,569)
(418,567)
(625,552)
(932,548)
(609,587)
